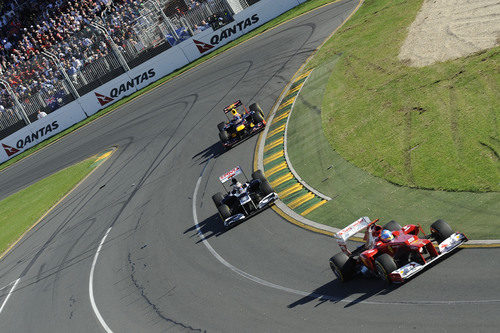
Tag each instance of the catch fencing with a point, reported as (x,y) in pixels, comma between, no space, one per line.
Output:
(100,52)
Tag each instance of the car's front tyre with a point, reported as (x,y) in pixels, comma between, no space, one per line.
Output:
(266,188)
(441,230)
(217,198)
(385,265)
(224,211)
(223,136)
(258,175)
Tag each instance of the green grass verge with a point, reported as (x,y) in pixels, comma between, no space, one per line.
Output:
(22,209)
(357,193)
(435,127)
(294,12)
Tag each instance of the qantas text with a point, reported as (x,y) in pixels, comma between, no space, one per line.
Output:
(240,26)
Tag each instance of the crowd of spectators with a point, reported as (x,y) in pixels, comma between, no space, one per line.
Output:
(62,27)
(56,26)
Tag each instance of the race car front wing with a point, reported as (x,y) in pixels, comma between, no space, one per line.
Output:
(450,244)
(263,203)
(236,141)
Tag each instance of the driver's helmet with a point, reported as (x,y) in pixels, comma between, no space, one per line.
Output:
(234,181)
(235,113)
(386,236)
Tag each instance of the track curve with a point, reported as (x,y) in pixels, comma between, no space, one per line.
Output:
(154,272)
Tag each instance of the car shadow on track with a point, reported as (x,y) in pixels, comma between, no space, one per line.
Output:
(336,292)
(365,288)
(209,227)
(206,154)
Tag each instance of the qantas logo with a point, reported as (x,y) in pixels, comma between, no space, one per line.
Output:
(125,87)
(10,150)
(103,100)
(230,30)
(202,47)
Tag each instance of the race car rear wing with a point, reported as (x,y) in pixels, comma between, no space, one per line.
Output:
(230,174)
(232,106)
(352,229)
(343,235)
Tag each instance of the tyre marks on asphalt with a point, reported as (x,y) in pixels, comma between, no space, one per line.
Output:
(320,294)
(289,189)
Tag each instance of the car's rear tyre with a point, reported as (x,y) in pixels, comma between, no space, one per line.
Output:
(224,136)
(224,211)
(266,188)
(392,226)
(221,126)
(259,175)
(342,266)
(217,198)
(441,230)
(385,265)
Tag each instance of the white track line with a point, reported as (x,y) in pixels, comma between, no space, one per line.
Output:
(91,287)
(320,297)
(10,293)
(228,265)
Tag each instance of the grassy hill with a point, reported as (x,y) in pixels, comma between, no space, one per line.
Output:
(434,127)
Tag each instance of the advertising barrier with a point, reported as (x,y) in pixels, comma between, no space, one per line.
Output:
(244,22)
(134,80)
(40,130)
(143,75)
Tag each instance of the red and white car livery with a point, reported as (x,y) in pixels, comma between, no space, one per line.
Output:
(230,174)
(406,252)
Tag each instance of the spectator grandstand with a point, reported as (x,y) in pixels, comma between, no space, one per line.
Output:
(53,51)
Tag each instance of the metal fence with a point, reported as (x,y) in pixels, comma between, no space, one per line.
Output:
(8,115)
(123,38)
(201,15)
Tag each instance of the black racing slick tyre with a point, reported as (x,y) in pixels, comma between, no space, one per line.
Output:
(258,115)
(342,266)
(224,211)
(441,230)
(221,126)
(224,136)
(217,198)
(392,226)
(259,175)
(385,265)
(266,188)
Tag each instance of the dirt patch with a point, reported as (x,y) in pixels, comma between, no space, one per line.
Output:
(450,29)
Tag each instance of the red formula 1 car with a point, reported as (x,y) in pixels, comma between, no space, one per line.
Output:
(242,123)
(391,252)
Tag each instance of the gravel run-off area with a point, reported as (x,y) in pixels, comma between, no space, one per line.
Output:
(450,29)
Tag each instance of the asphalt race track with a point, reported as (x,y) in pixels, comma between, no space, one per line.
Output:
(154,273)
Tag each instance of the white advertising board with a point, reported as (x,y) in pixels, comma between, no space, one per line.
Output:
(143,75)
(40,130)
(244,22)
(134,80)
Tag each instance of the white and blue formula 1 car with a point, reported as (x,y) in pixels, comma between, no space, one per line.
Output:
(243,200)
